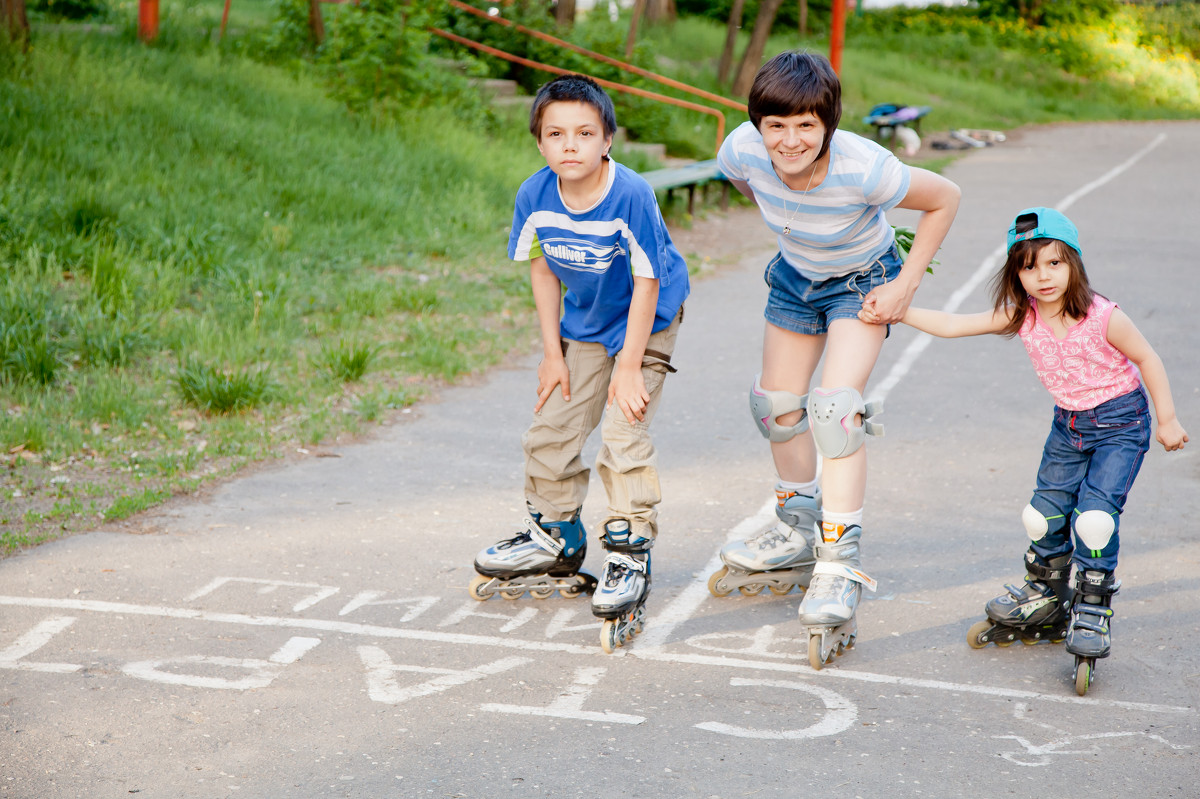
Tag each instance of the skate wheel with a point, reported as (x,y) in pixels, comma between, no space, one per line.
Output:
(587,586)
(476,588)
(609,636)
(816,658)
(780,590)
(975,635)
(1083,675)
(542,592)
(512,593)
(714,586)
(752,589)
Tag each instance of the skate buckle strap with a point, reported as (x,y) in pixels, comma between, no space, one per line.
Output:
(548,541)
(842,570)
(621,559)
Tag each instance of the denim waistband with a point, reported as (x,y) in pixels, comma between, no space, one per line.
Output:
(1134,399)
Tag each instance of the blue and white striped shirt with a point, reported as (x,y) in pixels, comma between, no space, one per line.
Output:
(836,228)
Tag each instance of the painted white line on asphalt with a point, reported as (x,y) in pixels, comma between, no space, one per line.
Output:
(569,704)
(649,654)
(685,603)
(12,657)
(841,714)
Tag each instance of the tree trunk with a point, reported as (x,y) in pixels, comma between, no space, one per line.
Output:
(15,21)
(752,58)
(731,32)
(660,11)
(564,13)
(316,23)
(803,26)
(639,8)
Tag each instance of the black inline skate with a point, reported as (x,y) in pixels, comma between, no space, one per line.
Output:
(1089,637)
(1037,611)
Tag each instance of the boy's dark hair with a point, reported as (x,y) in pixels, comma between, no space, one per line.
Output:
(796,83)
(1008,293)
(572,89)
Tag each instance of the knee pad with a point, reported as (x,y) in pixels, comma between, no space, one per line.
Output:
(1095,529)
(831,412)
(767,406)
(1035,523)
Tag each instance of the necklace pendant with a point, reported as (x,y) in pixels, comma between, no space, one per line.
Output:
(787,231)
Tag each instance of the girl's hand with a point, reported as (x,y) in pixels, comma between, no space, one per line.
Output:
(886,304)
(1172,435)
(551,374)
(628,389)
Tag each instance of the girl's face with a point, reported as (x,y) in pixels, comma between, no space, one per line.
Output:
(1048,277)
(793,142)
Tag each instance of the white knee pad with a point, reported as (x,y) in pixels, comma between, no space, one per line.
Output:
(1095,528)
(832,412)
(767,406)
(1035,523)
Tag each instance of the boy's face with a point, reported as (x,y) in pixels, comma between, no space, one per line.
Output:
(793,142)
(572,140)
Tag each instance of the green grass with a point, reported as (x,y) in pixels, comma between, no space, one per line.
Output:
(206,261)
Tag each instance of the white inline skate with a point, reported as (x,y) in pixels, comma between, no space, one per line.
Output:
(624,585)
(780,558)
(829,605)
(543,558)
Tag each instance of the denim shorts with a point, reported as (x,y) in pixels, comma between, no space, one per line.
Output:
(806,306)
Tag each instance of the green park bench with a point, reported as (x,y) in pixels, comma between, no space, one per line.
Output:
(689,176)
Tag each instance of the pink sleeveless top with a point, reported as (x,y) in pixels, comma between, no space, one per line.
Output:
(1081,370)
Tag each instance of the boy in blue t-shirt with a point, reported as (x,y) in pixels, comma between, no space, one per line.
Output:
(586,223)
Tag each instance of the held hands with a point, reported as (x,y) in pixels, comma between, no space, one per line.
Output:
(628,389)
(1172,435)
(886,304)
(552,373)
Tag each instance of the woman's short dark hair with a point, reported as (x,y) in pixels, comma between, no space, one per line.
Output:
(797,83)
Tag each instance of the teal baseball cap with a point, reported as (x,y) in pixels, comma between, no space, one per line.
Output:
(1046,224)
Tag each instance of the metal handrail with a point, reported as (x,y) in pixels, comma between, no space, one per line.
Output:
(608,84)
(645,73)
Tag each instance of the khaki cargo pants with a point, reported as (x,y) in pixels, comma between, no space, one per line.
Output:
(556,479)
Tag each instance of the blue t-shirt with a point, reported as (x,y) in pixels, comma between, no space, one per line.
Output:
(596,252)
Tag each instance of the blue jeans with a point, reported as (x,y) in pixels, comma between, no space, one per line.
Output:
(807,306)
(1089,463)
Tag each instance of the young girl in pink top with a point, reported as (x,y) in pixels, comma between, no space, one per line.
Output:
(1098,367)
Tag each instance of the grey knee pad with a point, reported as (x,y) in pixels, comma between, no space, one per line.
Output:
(831,412)
(1095,529)
(767,406)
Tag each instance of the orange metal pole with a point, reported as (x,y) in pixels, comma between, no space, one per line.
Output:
(837,35)
(605,83)
(716,98)
(225,18)
(147,20)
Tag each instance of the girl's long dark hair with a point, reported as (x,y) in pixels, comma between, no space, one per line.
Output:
(1009,295)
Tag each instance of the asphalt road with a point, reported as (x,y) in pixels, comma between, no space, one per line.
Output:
(305,631)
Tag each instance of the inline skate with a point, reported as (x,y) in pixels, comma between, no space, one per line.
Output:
(624,585)
(1088,637)
(542,558)
(780,558)
(828,607)
(1037,611)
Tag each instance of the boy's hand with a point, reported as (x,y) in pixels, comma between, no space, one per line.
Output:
(550,374)
(1172,435)
(628,389)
